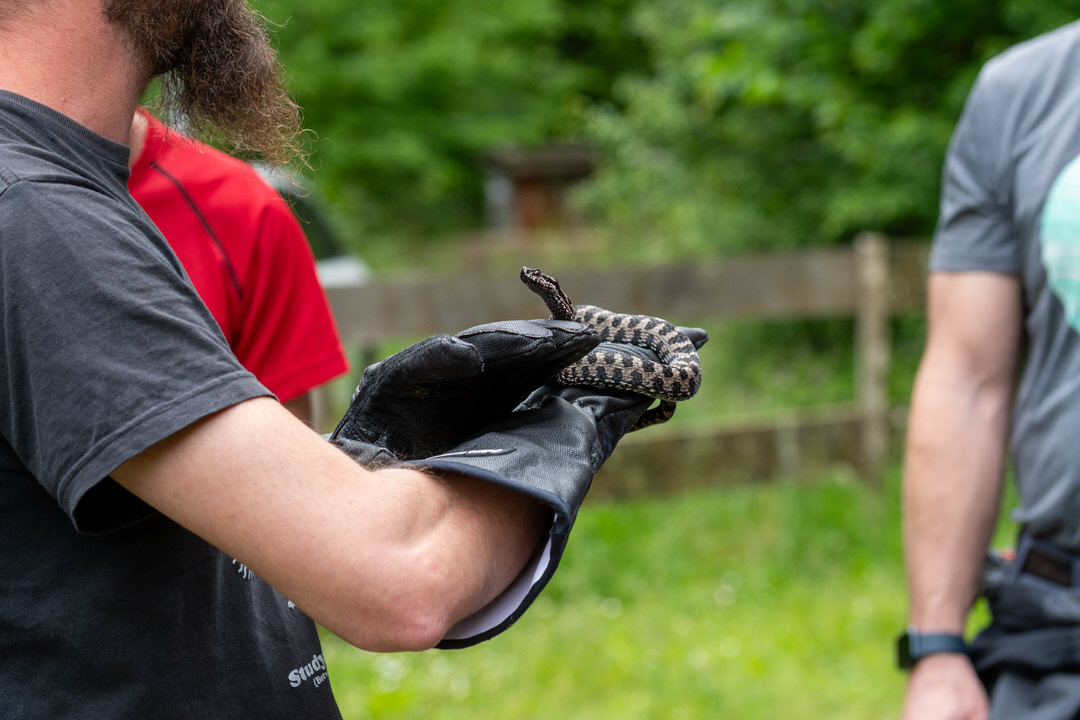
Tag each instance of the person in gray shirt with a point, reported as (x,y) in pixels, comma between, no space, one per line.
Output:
(1000,378)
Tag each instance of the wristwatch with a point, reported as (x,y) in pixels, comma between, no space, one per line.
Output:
(913,646)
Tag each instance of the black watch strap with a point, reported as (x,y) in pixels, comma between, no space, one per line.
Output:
(912,646)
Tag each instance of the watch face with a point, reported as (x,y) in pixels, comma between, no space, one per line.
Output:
(903,652)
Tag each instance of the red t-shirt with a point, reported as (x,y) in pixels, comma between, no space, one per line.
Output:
(247,257)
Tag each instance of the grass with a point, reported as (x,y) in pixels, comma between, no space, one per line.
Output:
(766,601)
(757,602)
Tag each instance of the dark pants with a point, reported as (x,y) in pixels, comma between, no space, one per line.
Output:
(1047,697)
(1029,656)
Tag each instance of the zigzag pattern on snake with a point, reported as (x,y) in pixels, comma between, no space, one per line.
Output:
(676,377)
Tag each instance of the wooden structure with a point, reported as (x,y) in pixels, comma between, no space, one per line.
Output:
(871,280)
(526,189)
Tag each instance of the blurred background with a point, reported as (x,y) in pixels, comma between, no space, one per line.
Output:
(766,169)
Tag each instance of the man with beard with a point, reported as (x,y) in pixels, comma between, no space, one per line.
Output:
(167,529)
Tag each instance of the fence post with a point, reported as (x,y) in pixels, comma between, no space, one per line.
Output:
(872,348)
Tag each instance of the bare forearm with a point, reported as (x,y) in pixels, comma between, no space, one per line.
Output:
(952,489)
(443,549)
(956,441)
(387,560)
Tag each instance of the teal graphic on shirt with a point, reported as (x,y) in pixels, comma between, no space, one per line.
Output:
(1061,240)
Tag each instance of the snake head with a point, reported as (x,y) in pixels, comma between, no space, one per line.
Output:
(549,291)
(538,280)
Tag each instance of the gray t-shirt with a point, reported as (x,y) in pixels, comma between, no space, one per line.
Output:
(1010,205)
(108,609)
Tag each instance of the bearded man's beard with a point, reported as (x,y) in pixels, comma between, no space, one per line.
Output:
(219,75)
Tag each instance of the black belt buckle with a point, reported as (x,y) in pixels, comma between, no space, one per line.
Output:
(1041,561)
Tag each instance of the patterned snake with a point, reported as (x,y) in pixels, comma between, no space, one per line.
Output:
(676,377)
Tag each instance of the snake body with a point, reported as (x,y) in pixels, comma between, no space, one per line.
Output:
(676,377)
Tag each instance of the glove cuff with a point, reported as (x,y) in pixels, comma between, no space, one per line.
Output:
(369,455)
(512,603)
(545,456)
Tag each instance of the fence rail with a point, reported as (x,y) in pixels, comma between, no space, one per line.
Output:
(870,281)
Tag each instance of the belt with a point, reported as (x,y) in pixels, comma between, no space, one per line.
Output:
(1047,563)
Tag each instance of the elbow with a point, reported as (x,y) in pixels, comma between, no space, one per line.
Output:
(418,629)
(413,632)
(395,630)
(412,612)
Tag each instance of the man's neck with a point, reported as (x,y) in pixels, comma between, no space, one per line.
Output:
(140,128)
(74,62)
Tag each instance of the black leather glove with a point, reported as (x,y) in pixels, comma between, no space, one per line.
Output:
(549,449)
(435,394)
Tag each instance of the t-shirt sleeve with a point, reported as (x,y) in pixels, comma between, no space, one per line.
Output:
(287,337)
(107,348)
(975,228)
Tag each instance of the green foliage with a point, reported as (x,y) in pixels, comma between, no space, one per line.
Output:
(406,96)
(780,123)
(721,124)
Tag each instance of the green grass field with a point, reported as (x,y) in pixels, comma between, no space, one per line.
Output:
(758,602)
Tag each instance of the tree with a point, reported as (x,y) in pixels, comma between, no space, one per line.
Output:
(406,96)
(720,124)
(773,123)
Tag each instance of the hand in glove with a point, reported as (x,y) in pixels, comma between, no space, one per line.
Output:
(549,449)
(435,394)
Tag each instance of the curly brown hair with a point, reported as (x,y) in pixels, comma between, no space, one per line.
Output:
(219,75)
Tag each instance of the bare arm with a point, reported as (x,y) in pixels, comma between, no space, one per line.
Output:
(954,466)
(388,560)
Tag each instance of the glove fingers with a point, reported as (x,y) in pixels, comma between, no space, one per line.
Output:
(573,340)
(519,356)
(697,335)
(434,394)
(405,384)
(431,361)
(530,343)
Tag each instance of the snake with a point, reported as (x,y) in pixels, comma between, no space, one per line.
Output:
(676,377)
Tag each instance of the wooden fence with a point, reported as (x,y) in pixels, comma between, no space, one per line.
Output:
(871,280)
